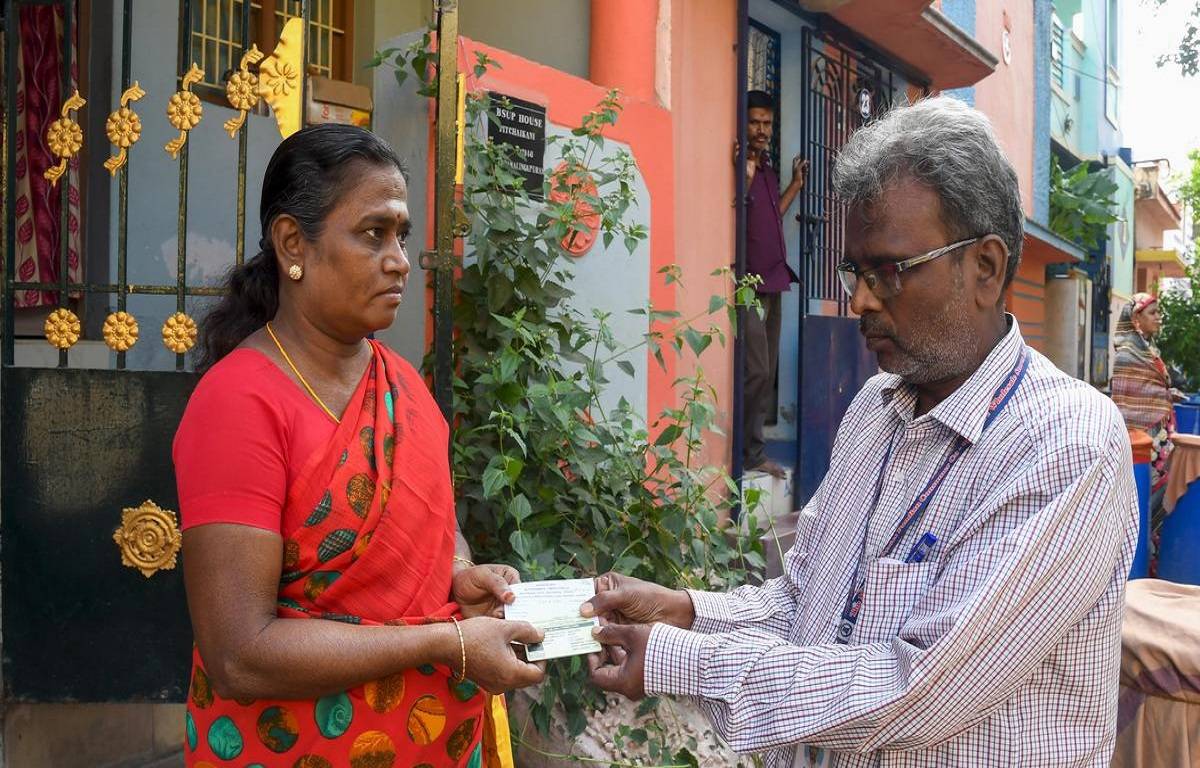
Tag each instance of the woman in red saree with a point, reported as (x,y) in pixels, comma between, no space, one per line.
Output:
(338,618)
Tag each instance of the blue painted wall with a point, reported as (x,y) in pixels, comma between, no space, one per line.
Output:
(1041,114)
(962,13)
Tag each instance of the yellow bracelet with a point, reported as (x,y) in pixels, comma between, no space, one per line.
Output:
(462,642)
(464,561)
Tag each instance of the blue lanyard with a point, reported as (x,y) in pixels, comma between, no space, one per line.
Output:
(916,510)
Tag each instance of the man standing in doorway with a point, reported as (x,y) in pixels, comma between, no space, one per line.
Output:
(766,257)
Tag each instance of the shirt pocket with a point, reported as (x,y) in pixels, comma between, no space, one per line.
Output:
(892,589)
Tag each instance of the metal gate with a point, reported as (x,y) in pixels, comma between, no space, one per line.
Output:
(93,602)
(763,70)
(844,87)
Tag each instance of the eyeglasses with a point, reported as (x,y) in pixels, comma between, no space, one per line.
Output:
(884,280)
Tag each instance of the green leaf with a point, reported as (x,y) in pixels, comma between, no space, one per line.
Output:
(715,303)
(521,543)
(669,435)
(576,722)
(627,366)
(696,340)
(519,508)
(500,290)
(509,362)
(494,478)
(646,706)
(513,467)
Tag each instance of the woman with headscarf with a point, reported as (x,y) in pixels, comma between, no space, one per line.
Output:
(1141,388)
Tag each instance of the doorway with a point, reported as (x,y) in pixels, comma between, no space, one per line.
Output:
(827,83)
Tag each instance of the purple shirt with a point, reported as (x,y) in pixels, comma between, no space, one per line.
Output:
(766,253)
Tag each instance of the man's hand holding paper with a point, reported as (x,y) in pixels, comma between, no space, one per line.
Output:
(553,607)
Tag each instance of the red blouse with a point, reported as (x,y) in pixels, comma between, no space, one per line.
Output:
(246,432)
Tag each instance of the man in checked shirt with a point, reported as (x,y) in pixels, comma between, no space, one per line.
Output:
(955,592)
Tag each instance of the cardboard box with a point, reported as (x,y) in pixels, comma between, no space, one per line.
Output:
(336,101)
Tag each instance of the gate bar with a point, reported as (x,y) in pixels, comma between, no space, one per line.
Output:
(306,14)
(243,138)
(10,178)
(443,276)
(123,173)
(808,220)
(64,213)
(738,432)
(185,58)
(130,288)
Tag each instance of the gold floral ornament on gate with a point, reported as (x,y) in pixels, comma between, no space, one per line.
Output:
(184,110)
(123,128)
(279,77)
(242,90)
(64,137)
(149,538)
(62,328)
(120,331)
(179,333)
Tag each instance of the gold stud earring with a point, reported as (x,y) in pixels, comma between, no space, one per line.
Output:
(295,272)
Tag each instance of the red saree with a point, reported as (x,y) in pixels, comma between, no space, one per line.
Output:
(369,537)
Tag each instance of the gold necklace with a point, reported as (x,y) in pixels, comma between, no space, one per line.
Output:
(300,376)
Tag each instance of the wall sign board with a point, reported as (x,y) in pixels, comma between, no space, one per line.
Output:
(522,125)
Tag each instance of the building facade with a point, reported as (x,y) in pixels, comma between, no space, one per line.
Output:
(1084,73)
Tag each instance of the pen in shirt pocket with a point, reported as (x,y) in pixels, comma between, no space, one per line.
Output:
(921,549)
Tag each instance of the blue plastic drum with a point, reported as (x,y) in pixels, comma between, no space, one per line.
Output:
(1179,547)
(1187,418)
(1141,556)
(1179,537)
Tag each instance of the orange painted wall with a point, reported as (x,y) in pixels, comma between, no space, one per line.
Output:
(1027,299)
(1006,95)
(703,106)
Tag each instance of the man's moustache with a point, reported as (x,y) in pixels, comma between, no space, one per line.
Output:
(869,325)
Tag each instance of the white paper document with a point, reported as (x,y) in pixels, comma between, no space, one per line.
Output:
(553,607)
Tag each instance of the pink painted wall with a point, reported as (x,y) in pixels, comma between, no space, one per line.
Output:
(1006,95)
(703,105)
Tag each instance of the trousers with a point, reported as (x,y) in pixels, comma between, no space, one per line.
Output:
(761,338)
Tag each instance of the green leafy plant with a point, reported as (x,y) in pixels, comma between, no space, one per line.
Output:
(1081,203)
(1179,341)
(553,475)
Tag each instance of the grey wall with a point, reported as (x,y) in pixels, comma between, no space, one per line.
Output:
(614,281)
(552,32)
(402,119)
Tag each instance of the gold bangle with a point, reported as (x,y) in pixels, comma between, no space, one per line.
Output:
(462,643)
(464,561)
